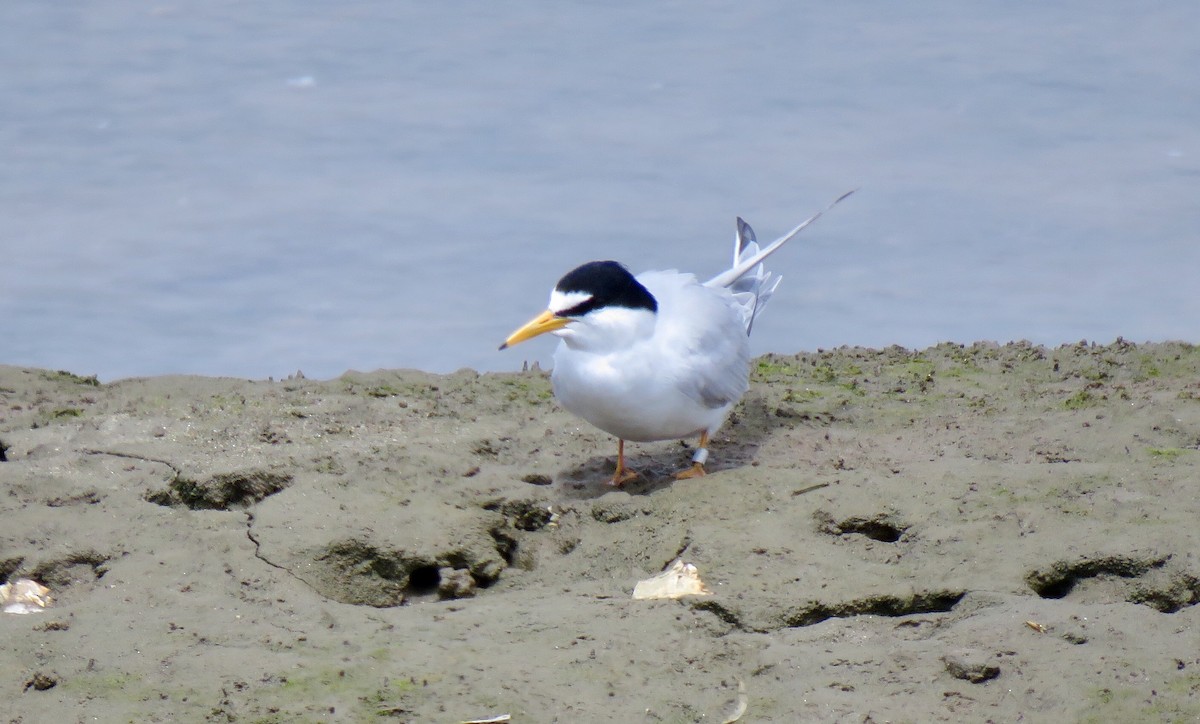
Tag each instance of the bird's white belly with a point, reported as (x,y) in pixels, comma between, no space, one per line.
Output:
(637,402)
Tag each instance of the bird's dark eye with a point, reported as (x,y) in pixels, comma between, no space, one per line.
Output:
(578,310)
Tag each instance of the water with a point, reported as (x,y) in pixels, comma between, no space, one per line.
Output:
(248,189)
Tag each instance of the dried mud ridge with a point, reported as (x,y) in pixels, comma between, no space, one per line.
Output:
(810,613)
(223,491)
(1147,580)
(354,570)
(75,569)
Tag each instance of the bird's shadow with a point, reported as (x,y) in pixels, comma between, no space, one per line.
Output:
(734,447)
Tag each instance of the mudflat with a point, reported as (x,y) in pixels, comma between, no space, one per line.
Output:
(962,533)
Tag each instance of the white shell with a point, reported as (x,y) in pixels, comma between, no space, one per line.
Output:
(24,595)
(678,580)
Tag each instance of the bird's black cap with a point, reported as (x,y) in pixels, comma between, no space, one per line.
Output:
(610,285)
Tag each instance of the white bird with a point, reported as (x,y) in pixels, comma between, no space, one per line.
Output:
(659,356)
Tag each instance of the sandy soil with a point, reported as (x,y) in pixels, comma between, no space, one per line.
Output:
(958,534)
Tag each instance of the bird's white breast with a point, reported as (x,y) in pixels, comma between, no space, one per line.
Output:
(673,380)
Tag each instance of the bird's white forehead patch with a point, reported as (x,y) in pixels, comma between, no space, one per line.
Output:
(562,301)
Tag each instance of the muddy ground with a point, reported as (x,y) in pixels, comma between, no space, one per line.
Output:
(964,533)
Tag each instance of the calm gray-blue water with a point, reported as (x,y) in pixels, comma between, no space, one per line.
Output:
(252,188)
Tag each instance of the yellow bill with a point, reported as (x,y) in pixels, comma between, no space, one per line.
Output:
(541,324)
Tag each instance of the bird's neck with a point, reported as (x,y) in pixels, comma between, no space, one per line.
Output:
(610,329)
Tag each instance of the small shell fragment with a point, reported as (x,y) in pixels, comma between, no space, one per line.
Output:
(24,595)
(739,707)
(678,580)
(1036,626)
(492,720)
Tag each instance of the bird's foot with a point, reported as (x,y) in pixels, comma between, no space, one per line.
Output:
(695,471)
(622,476)
(698,459)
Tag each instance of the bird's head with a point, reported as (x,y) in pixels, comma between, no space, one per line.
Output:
(600,296)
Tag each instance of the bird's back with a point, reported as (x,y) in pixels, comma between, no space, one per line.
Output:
(704,329)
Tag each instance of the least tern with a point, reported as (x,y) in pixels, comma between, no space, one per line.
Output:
(659,356)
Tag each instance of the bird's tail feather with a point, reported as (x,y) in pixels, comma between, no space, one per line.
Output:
(754,288)
(749,281)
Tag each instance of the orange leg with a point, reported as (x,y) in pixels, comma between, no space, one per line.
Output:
(623,474)
(697,468)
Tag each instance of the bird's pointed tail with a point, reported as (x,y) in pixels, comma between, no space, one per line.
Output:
(749,281)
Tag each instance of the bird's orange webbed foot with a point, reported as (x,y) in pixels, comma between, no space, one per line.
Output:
(623,474)
(698,459)
(695,471)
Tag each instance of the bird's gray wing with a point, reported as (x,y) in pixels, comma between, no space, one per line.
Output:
(720,372)
(704,350)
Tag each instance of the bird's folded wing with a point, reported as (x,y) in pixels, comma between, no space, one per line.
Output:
(715,374)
